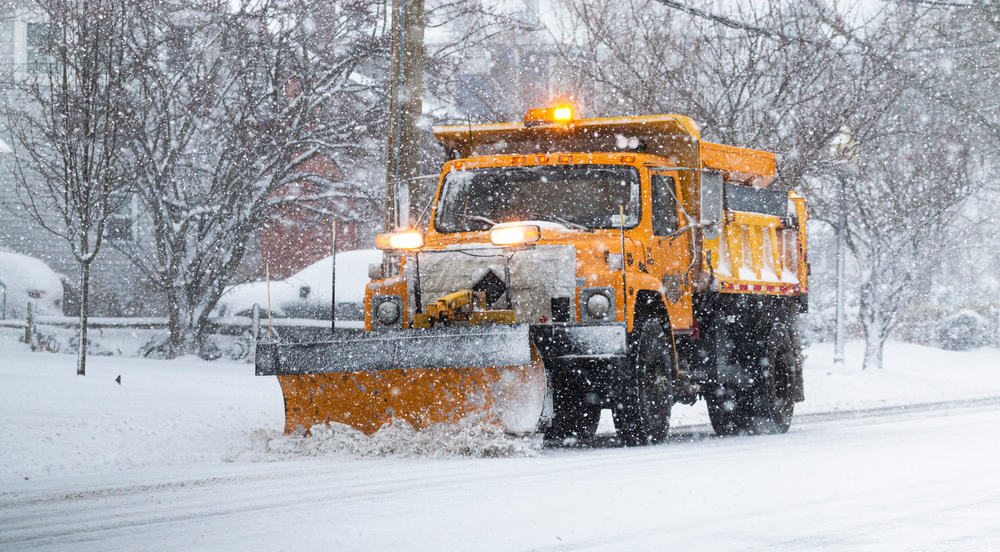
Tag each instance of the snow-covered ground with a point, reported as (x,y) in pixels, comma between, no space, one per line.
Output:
(189,411)
(188,454)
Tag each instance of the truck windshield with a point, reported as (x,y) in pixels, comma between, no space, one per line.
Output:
(586,196)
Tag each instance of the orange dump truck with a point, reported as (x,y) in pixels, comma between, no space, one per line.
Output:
(568,266)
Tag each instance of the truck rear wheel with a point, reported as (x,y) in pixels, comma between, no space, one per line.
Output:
(762,402)
(642,411)
(772,401)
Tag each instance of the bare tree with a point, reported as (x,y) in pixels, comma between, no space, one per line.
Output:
(68,125)
(236,105)
(781,83)
(903,198)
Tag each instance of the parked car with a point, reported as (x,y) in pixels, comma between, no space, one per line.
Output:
(306,294)
(25,279)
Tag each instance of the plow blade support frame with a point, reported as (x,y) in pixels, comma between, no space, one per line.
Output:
(450,347)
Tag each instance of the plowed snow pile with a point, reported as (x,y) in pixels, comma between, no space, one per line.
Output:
(467,438)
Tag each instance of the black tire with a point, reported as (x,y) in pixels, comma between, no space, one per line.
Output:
(724,405)
(573,418)
(761,401)
(725,411)
(645,396)
(772,401)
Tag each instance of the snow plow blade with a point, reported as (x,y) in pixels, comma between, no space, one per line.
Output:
(423,376)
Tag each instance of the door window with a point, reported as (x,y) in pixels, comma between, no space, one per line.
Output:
(664,205)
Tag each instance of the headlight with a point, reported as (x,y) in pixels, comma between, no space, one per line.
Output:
(387,312)
(515,234)
(402,240)
(598,305)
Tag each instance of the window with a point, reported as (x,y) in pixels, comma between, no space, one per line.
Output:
(740,197)
(6,38)
(664,205)
(589,196)
(119,225)
(39,41)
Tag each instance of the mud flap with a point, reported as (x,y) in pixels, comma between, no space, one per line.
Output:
(423,376)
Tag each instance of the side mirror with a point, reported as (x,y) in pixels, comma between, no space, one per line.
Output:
(711,204)
(375,271)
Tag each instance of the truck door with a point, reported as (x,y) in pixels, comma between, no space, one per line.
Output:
(670,250)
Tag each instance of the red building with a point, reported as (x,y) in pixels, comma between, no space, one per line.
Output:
(297,233)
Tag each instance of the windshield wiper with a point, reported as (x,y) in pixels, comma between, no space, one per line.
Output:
(477,218)
(560,220)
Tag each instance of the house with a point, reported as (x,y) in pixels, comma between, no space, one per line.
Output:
(116,287)
(298,233)
(294,235)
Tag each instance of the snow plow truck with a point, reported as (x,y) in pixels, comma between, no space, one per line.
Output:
(569,266)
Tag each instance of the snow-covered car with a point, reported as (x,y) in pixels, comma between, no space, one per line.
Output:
(306,294)
(25,279)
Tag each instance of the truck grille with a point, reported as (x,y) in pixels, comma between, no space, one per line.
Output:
(537,275)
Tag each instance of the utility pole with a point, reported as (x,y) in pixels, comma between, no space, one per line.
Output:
(838,339)
(405,107)
(846,150)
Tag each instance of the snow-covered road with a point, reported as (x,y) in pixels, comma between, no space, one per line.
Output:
(926,479)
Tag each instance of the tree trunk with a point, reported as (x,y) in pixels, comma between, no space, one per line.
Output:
(81,361)
(873,353)
(876,332)
(185,336)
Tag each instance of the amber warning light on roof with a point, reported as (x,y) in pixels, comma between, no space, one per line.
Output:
(557,114)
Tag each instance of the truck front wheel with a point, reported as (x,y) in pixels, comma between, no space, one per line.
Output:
(645,397)
(573,417)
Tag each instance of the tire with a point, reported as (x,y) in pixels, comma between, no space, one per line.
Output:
(645,397)
(772,401)
(725,410)
(572,418)
(761,401)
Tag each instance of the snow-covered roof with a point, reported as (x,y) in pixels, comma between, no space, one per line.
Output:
(4,148)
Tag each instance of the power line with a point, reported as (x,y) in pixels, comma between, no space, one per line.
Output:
(722,20)
(946,4)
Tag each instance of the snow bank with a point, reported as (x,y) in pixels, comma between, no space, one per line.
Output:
(164,412)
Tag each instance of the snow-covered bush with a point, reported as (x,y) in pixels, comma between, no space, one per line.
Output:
(963,330)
